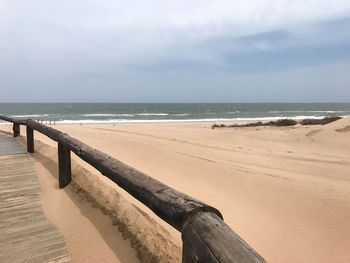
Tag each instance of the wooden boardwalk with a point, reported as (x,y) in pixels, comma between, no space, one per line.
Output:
(9,146)
(26,235)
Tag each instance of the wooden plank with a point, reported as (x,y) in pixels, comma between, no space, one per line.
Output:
(64,165)
(26,235)
(206,238)
(10,146)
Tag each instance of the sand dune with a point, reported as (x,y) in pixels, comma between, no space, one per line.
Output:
(285,190)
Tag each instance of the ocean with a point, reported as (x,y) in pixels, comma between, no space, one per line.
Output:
(169,112)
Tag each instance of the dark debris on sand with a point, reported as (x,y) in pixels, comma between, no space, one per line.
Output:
(280,123)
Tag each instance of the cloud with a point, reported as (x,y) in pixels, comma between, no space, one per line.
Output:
(138,25)
(112,43)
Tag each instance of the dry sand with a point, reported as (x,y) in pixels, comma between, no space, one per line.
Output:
(286,190)
(87,230)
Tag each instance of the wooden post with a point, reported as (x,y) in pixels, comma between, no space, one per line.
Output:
(16,129)
(64,165)
(30,140)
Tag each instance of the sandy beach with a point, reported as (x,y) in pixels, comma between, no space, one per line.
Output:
(284,190)
(166,88)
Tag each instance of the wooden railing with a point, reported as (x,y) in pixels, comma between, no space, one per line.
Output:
(205,236)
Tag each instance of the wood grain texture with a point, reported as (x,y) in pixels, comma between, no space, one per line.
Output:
(25,233)
(206,238)
(9,146)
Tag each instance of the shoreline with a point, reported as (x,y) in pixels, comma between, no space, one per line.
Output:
(141,121)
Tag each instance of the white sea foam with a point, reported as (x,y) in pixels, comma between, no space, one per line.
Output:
(306,111)
(181,114)
(4,122)
(107,115)
(271,118)
(30,115)
(152,114)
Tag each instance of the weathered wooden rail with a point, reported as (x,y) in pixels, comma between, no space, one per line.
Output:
(206,237)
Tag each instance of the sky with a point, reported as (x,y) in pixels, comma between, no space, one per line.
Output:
(175,51)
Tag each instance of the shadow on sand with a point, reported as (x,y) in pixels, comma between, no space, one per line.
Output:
(99,217)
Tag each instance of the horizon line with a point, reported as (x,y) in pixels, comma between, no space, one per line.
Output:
(248,102)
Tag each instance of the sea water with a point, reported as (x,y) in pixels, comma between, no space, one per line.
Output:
(169,112)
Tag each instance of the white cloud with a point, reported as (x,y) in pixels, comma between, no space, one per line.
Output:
(164,21)
(135,31)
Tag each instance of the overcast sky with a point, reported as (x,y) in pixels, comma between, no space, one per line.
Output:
(175,51)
